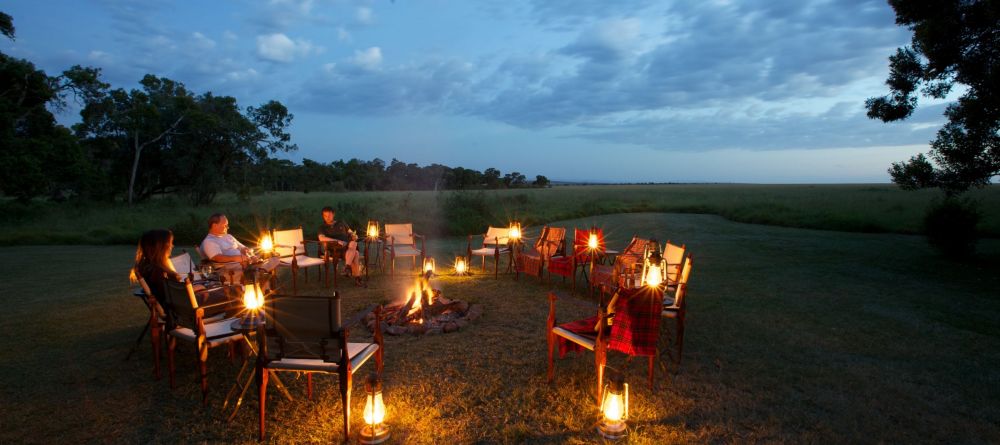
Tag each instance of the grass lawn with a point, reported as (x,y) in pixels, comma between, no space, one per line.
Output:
(869,208)
(793,336)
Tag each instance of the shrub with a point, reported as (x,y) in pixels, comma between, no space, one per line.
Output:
(950,226)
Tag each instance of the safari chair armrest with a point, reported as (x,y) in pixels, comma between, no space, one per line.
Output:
(221,304)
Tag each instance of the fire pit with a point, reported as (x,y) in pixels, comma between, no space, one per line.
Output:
(425,311)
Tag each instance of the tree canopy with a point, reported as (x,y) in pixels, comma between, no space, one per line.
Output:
(954,42)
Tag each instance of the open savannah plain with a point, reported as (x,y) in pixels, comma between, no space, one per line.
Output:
(817,314)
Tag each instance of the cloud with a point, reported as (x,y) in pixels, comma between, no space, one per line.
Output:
(369,59)
(431,86)
(343,35)
(364,16)
(201,41)
(280,48)
(99,56)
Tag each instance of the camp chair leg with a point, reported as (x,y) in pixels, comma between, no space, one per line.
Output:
(261,377)
(171,347)
(154,336)
(203,369)
(309,385)
(345,398)
(295,280)
(652,358)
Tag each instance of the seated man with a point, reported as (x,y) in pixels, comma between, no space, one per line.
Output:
(226,253)
(337,232)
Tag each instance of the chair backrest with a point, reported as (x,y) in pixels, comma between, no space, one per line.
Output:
(581,241)
(674,256)
(399,233)
(182,264)
(681,291)
(303,327)
(550,241)
(181,303)
(284,240)
(632,254)
(496,236)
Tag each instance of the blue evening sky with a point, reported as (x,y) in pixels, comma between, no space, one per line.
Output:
(691,91)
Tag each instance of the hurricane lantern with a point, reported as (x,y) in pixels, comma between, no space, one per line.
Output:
(614,408)
(514,231)
(372,231)
(654,267)
(592,240)
(266,244)
(253,300)
(461,267)
(375,430)
(428,265)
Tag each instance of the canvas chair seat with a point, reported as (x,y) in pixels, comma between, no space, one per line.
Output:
(586,341)
(216,333)
(359,353)
(406,250)
(302,261)
(488,251)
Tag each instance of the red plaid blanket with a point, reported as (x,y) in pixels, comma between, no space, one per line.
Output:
(583,327)
(635,327)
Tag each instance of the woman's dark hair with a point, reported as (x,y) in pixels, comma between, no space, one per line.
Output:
(152,252)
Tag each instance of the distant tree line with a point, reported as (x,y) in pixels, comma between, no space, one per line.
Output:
(162,138)
(358,175)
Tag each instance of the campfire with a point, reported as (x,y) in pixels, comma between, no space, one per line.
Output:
(425,311)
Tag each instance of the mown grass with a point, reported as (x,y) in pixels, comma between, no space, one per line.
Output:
(852,208)
(793,336)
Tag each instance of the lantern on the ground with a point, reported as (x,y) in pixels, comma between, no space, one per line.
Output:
(375,430)
(372,231)
(614,407)
(428,265)
(592,241)
(461,267)
(514,232)
(654,267)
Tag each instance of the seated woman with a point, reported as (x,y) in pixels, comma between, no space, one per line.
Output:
(152,263)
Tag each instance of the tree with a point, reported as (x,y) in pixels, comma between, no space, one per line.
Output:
(163,130)
(7,25)
(514,179)
(492,178)
(37,155)
(955,42)
(540,181)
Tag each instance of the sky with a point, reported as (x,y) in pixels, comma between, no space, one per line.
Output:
(760,91)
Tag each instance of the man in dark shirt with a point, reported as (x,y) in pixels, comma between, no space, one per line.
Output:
(337,232)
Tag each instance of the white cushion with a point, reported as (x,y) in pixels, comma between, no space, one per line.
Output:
(586,342)
(488,251)
(302,261)
(359,353)
(211,330)
(406,251)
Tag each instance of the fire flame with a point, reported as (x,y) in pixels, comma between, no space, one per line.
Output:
(416,292)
